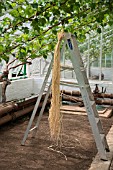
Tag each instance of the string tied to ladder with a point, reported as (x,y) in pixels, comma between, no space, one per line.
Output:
(54,112)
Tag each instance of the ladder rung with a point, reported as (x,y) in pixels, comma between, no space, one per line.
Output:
(82,69)
(33,128)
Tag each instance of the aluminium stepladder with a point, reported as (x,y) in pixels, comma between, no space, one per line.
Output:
(87,96)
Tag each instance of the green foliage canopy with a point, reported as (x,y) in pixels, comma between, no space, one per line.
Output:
(29,27)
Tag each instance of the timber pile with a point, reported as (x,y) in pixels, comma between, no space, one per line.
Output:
(75,96)
(12,110)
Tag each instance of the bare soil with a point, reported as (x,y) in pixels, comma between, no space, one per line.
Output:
(76,153)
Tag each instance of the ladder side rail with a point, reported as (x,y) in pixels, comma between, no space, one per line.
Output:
(37,103)
(84,85)
(82,79)
(63,52)
(42,109)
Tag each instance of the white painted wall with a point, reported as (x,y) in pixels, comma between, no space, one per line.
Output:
(37,83)
(19,89)
(22,88)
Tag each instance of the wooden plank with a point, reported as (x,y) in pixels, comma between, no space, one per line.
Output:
(78,109)
(74,113)
(82,111)
(73,108)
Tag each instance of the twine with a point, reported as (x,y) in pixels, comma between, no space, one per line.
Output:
(54,112)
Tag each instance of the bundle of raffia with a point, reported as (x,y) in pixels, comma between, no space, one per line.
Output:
(54,112)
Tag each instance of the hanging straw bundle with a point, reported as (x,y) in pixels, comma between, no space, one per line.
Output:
(54,112)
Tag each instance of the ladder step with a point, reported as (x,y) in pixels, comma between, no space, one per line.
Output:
(103,139)
(97,120)
(83,70)
(33,128)
(92,103)
(85,86)
(99,125)
(104,142)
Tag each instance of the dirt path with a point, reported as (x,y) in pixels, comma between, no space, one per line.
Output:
(78,145)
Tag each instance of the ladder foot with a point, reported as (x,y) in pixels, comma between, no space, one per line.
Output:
(107,150)
(33,137)
(22,143)
(104,159)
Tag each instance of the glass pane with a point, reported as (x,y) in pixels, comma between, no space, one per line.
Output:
(95,64)
(108,56)
(108,64)
(103,63)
